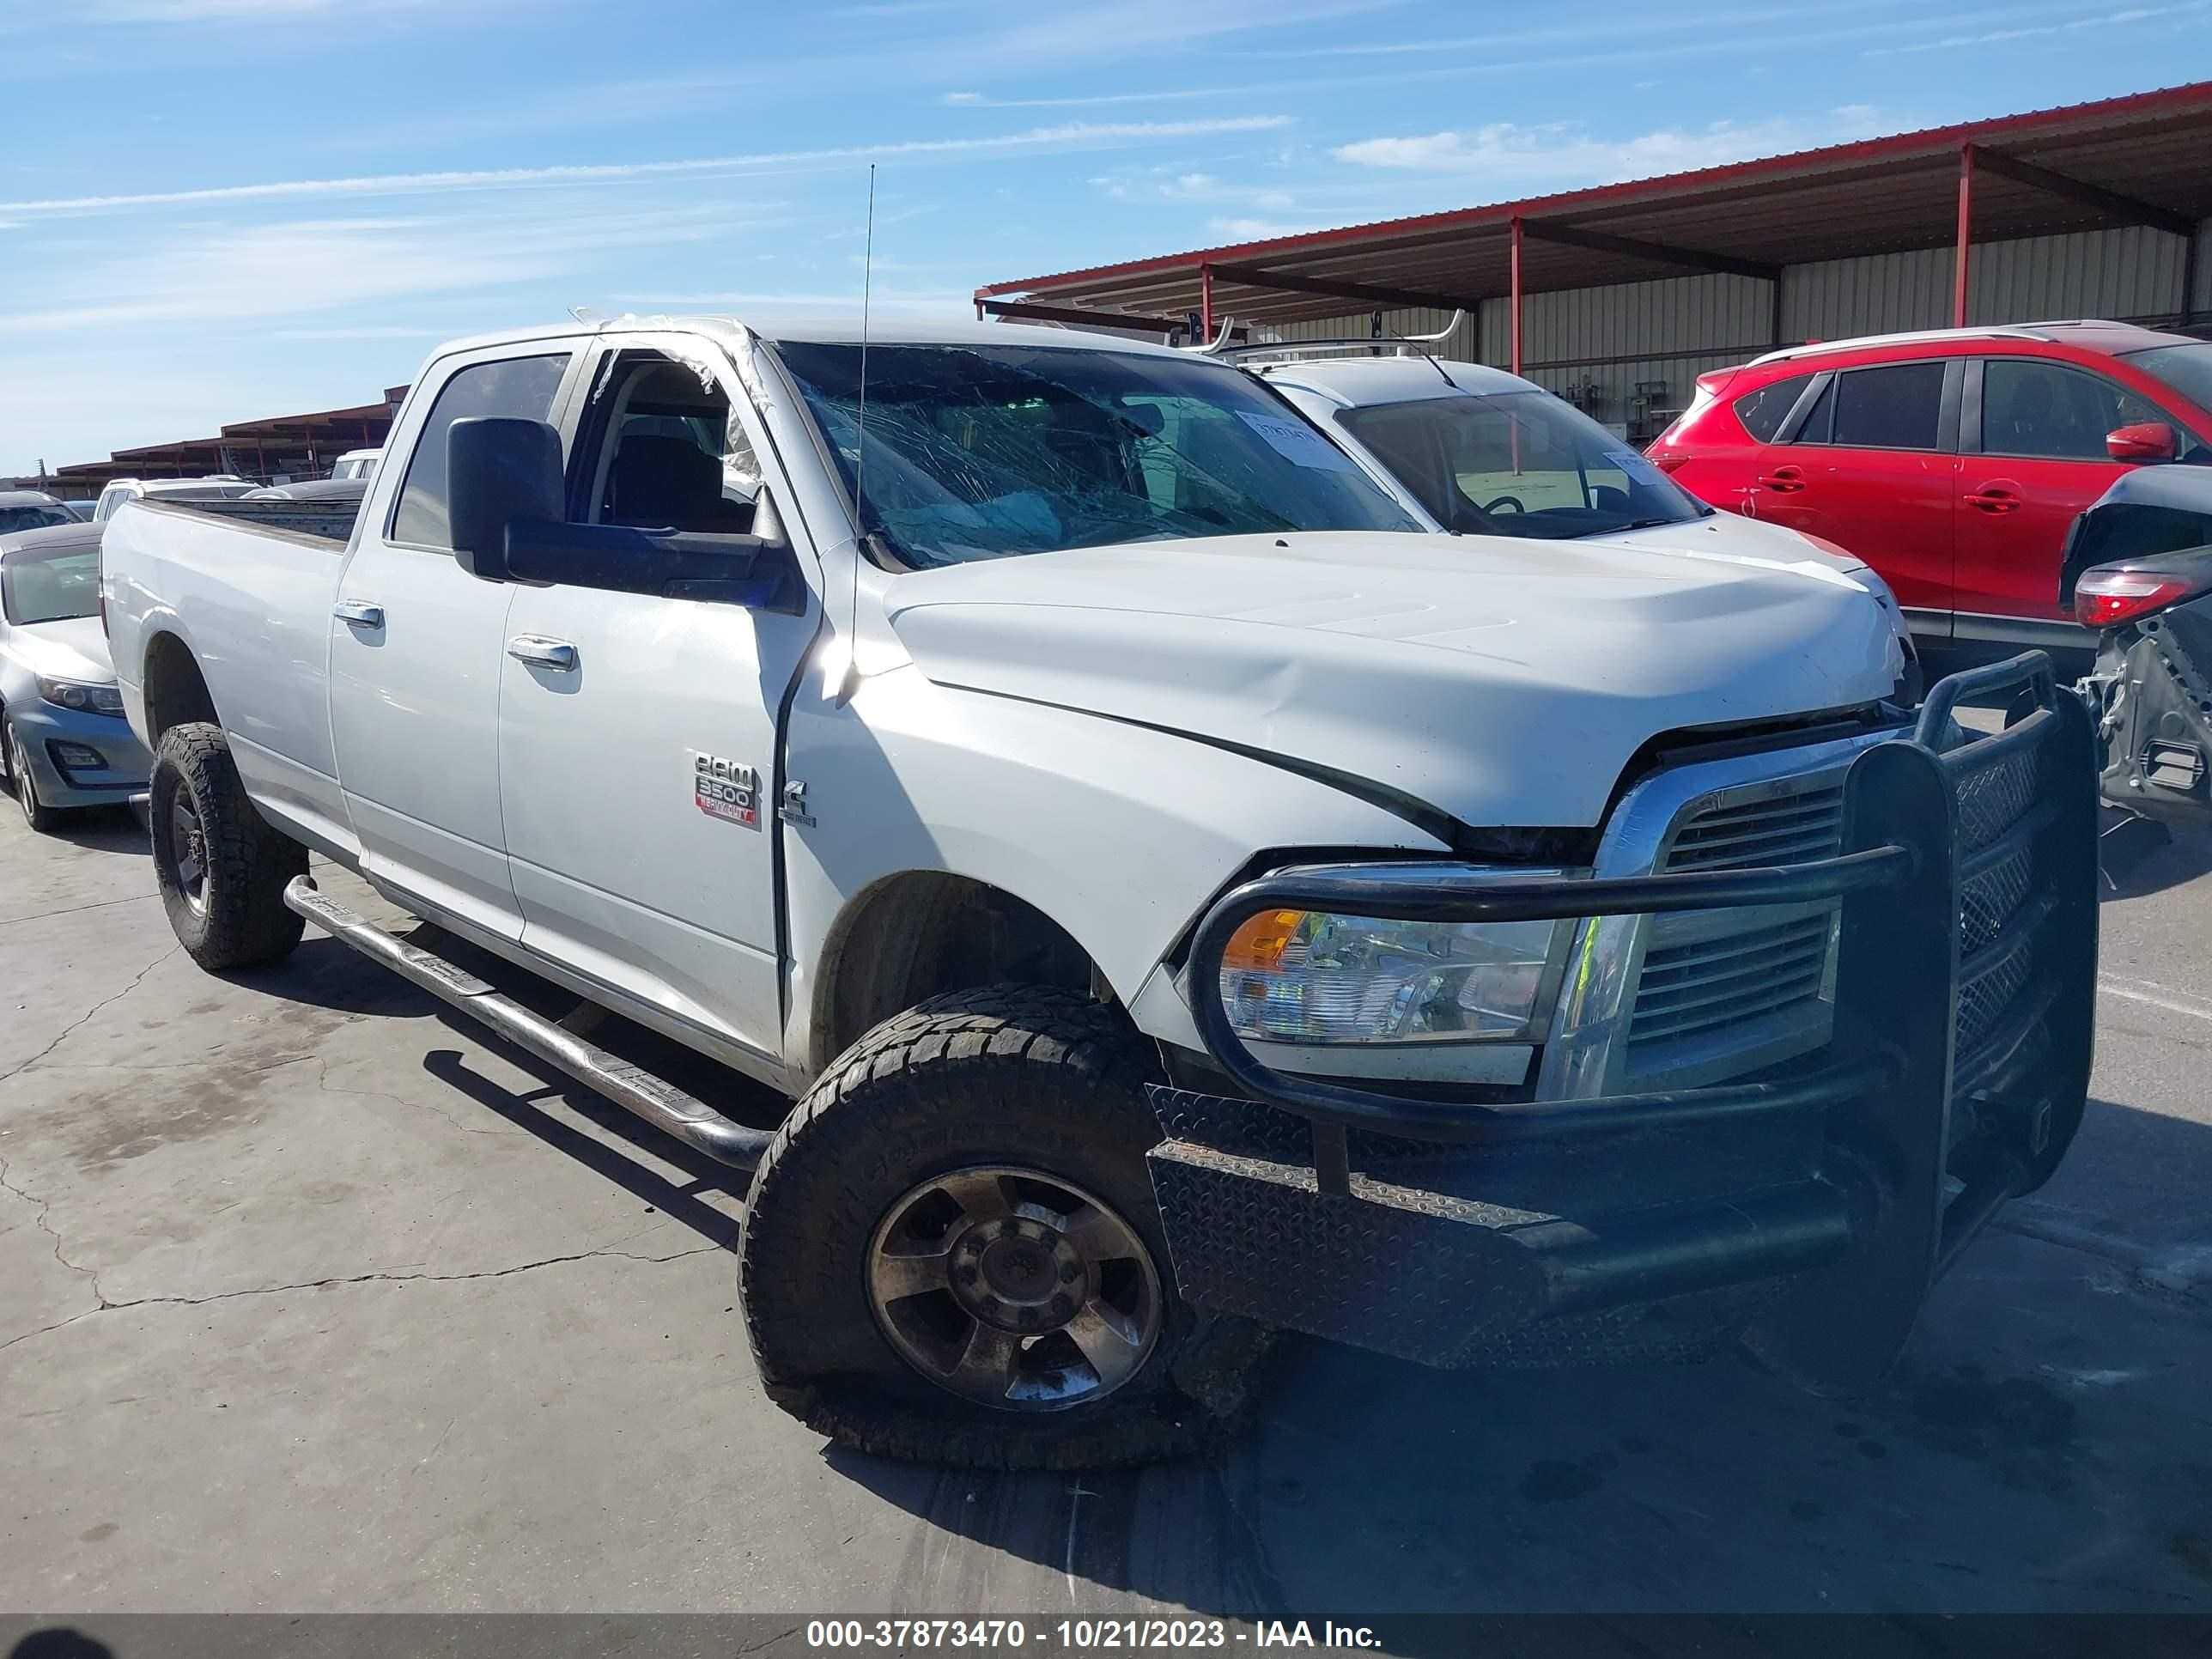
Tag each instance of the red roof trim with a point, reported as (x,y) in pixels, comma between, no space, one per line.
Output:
(1929,142)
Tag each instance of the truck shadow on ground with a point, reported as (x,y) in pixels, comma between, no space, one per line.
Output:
(2138,857)
(103,829)
(2039,1447)
(327,975)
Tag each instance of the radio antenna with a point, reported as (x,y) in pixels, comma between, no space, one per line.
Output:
(868,285)
(860,449)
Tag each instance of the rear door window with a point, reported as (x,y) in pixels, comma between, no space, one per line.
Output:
(1895,406)
(1764,410)
(522,388)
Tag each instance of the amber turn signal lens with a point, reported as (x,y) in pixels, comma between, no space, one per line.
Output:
(1260,942)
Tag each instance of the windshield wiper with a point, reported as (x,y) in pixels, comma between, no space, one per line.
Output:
(1632,524)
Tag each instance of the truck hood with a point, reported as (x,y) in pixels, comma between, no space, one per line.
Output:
(74,648)
(1730,536)
(1504,682)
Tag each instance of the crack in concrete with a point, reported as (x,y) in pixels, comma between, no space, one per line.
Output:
(38,1220)
(73,909)
(75,1025)
(602,1254)
(324,1086)
(2178,1267)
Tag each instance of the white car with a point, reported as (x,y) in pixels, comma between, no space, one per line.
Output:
(1475,451)
(1181,891)
(357,464)
(216,487)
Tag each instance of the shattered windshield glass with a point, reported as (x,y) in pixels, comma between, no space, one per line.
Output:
(1518,464)
(983,453)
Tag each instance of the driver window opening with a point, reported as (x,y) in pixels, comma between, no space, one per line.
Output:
(667,453)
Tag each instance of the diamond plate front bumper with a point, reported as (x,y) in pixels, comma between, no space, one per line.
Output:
(1816,1206)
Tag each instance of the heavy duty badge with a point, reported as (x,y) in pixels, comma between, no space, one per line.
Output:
(725,789)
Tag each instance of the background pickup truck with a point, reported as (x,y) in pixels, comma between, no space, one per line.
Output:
(1183,897)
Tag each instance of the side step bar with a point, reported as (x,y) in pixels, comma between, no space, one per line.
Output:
(663,1105)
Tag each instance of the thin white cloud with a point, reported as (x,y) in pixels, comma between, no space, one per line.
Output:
(786,304)
(363,332)
(142,14)
(1624,23)
(1581,55)
(2037,31)
(1508,157)
(1185,185)
(1070,135)
(1256,230)
(1093,100)
(301,267)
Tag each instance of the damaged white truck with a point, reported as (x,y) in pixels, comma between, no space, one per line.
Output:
(1183,898)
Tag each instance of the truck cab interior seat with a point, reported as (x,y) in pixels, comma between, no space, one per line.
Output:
(660,481)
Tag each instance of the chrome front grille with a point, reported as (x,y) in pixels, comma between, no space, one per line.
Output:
(1731,980)
(1722,992)
(1783,829)
(1680,1001)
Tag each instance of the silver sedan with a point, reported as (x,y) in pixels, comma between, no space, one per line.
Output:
(63,742)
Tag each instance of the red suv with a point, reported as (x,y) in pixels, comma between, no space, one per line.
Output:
(1952,461)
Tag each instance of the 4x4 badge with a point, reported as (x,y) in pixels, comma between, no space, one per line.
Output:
(725,789)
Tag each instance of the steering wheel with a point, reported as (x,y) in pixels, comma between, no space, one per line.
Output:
(1508,503)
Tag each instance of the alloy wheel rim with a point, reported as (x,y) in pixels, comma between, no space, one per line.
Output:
(1014,1289)
(188,848)
(19,774)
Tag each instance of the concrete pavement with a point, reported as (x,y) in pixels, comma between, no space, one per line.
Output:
(310,1300)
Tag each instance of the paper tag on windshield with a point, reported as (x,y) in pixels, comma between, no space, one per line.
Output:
(1299,445)
(1637,469)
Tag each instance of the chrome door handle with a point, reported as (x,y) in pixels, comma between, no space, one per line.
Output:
(541,653)
(359,612)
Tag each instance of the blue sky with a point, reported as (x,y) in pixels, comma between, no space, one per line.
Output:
(217,209)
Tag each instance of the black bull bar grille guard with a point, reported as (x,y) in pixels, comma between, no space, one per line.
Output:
(1447,1232)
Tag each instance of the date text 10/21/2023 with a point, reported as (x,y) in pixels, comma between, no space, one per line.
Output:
(901,1634)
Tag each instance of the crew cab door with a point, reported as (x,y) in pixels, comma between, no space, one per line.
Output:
(638,734)
(2033,459)
(1868,463)
(414,655)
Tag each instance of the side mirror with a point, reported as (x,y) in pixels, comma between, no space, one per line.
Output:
(2145,440)
(750,571)
(499,471)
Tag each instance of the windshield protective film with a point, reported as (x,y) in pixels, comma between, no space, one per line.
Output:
(50,586)
(987,452)
(1518,464)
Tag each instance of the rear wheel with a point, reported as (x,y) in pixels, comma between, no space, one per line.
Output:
(220,869)
(41,817)
(951,1252)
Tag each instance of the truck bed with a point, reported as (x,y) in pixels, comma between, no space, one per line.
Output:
(247,588)
(331,521)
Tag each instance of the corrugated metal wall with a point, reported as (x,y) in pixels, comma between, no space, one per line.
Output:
(1629,354)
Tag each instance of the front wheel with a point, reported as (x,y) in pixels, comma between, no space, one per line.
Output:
(220,869)
(41,817)
(951,1252)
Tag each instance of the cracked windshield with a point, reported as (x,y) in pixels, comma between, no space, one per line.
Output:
(981,454)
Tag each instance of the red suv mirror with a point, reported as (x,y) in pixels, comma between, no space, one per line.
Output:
(2145,440)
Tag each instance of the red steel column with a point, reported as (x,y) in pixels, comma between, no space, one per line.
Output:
(1516,301)
(1206,304)
(1959,259)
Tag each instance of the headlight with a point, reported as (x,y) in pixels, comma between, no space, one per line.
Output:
(85,699)
(1306,977)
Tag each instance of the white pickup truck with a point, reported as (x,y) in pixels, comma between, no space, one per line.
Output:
(1184,898)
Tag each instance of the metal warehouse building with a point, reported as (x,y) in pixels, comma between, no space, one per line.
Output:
(1618,297)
